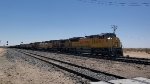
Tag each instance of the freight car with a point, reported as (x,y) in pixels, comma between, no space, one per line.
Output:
(105,44)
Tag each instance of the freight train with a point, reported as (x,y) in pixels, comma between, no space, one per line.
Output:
(104,44)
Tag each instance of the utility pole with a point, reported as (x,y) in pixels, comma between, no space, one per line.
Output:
(7,43)
(114,27)
(21,43)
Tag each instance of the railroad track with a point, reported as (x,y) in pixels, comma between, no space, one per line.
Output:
(134,60)
(121,59)
(128,60)
(87,73)
(142,61)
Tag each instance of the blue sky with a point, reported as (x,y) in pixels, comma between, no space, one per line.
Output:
(41,20)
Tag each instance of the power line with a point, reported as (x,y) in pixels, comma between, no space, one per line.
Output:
(117,3)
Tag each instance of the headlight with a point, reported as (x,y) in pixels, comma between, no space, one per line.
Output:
(109,38)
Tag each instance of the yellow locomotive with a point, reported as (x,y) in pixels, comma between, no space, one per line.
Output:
(106,44)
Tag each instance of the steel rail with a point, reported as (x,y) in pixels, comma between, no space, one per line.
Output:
(69,70)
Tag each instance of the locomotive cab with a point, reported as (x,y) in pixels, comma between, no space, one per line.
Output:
(114,45)
(106,44)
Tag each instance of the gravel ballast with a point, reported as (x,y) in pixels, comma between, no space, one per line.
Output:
(127,70)
(16,68)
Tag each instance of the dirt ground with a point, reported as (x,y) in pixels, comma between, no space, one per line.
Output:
(137,54)
(127,70)
(20,72)
(23,73)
